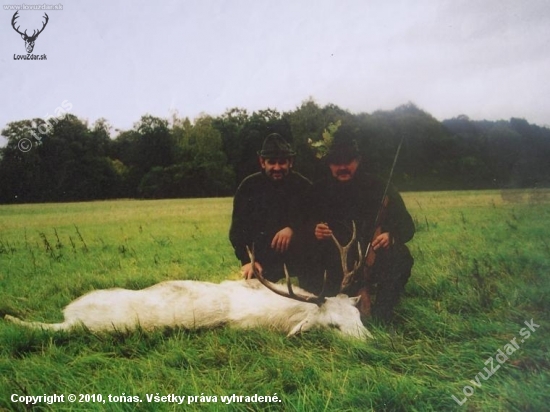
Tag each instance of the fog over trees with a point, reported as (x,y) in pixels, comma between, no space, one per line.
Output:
(66,159)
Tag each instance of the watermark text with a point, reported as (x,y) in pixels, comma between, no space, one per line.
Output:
(33,6)
(501,356)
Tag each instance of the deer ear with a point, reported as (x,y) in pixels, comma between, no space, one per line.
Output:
(302,326)
(355,300)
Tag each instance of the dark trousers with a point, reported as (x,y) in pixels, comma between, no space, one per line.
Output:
(273,262)
(391,272)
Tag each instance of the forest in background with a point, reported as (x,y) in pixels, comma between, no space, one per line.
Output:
(66,159)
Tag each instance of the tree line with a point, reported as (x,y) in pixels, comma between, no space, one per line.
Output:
(65,159)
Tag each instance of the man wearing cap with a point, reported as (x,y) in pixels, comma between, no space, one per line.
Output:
(349,195)
(265,213)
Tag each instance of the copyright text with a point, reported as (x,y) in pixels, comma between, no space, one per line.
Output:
(149,398)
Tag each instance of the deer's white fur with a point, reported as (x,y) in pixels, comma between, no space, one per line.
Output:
(193,304)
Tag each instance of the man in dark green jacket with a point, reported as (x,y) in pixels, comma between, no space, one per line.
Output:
(348,195)
(265,212)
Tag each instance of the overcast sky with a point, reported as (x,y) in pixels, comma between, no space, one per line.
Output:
(487,59)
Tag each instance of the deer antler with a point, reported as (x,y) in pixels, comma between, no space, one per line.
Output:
(34,34)
(318,300)
(349,275)
(43,26)
(15,17)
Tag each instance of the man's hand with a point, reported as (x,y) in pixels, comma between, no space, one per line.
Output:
(383,240)
(322,231)
(247,271)
(282,239)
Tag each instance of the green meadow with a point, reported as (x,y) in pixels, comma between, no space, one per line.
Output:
(471,333)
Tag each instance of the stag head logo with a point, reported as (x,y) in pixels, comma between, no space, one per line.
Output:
(29,40)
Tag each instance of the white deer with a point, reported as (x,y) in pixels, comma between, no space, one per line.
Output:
(194,304)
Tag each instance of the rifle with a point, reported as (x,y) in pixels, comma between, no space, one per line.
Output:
(370,253)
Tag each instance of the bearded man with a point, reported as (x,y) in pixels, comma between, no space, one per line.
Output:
(265,212)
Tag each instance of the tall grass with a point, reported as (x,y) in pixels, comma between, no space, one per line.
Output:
(482,263)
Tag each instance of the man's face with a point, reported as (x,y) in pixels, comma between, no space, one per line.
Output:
(276,169)
(344,172)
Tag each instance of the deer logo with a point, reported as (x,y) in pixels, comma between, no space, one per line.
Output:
(29,40)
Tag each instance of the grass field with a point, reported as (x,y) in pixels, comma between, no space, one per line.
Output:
(482,269)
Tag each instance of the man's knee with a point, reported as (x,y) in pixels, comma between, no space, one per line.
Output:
(397,260)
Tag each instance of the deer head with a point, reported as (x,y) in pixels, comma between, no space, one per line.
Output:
(29,40)
(339,312)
